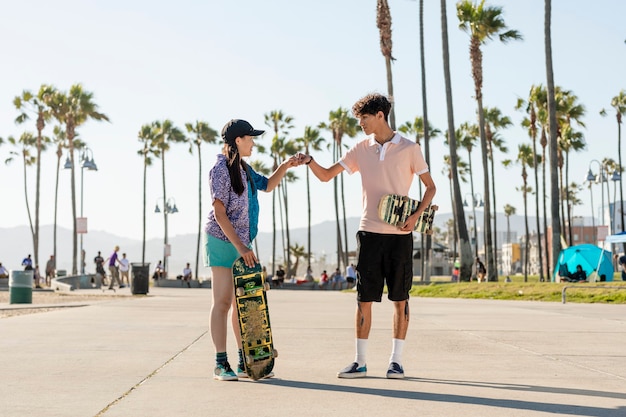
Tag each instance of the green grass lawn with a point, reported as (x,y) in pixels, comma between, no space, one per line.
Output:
(533,290)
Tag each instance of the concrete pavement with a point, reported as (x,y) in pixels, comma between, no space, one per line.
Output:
(153,356)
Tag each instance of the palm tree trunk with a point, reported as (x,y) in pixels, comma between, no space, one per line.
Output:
(165,239)
(567,200)
(536,169)
(56,203)
(30,219)
(199,209)
(308,235)
(495,209)
(526,238)
(546,247)
(37,192)
(426,251)
(345,223)
(465,247)
(273,233)
(619,157)
(70,137)
(491,264)
(554,188)
(143,240)
(286,201)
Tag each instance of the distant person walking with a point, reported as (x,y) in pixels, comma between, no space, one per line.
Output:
(50,270)
(99,261)
(111,262)
(481,271)
(124,268)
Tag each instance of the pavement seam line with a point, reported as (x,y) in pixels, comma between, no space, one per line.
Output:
(150,375)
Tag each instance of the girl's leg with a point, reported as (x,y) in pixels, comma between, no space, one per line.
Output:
(223,296)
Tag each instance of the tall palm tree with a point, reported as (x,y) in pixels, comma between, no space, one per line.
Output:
(483,23)
(532,124)
(495,121)
(310,141)
(165,133)
(462,170)
(148,150)
(509,211)
(619,104)
(383,23)
(73,109)
(468,135)
(281,124)
(27,103)
(340,123)
(526,158)
(200,133)
(25,143)
(552,121)
(60,140)
(465,246)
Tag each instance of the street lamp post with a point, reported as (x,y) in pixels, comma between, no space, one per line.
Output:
(169,207)
(86,161)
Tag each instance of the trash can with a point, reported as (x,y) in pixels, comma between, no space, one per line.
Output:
(61,272)
(21,287)
(140,278)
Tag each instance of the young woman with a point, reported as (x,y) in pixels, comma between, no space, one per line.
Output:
(231,228)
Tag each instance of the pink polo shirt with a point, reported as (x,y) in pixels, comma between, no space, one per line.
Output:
(386,169)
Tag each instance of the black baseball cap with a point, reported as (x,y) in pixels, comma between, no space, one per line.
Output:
(237,128)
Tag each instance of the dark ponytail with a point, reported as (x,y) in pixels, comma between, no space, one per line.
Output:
(235,163)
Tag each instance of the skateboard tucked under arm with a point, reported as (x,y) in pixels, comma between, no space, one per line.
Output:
(395,209)
(254,319)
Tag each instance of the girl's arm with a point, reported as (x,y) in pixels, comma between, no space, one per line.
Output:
(280,172)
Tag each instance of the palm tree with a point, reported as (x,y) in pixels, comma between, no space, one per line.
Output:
(340,123)
(73,110)
(30,103)
(509,211)
(482,24)
(383,23)
(552,121)
(281,124)
(526,158)
(297,252)
(201,133)
(25,142)
(465,246)
(146,136)
(310,141)
(494,122)
(531,123)
(619,104)
(462,170)
(165,133)
(60,140)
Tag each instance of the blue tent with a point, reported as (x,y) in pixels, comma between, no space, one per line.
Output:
(589,257)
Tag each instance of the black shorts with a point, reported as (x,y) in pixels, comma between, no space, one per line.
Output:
(384,259)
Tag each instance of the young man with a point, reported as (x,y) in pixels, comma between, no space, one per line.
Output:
(387,163)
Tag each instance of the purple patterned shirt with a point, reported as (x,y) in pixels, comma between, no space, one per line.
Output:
(237,206)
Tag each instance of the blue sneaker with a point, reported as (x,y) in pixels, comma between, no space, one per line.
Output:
(353,371)
(395,371)
(223,372)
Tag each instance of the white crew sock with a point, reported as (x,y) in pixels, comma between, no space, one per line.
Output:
(396,351)
(361,350)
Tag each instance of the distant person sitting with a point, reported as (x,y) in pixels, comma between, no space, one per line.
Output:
(279,277)
(337,278)
(579,275)
(3,271)
(481,271)
(159,272)
(187,275)
(622,264)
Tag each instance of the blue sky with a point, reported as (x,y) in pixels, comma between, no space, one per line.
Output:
(217,60)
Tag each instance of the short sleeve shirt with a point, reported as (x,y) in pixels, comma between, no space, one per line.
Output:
(384,169)
(242,210)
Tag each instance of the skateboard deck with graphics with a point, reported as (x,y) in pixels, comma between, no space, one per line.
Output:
(254,319)
(395,209)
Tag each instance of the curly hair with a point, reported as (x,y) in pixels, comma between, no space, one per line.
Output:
(372,104)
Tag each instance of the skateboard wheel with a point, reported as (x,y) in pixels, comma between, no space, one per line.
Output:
(266,286)
(240,291)
(249,358)
(274,353)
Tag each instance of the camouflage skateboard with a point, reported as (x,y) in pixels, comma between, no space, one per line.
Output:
(395,209)
(254,319)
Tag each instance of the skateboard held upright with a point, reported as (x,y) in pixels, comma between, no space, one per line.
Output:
(395,209)
(254,319)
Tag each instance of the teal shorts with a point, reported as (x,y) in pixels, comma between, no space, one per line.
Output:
(219,252)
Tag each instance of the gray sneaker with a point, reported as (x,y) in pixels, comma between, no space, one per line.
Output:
(353,371)
(395,371)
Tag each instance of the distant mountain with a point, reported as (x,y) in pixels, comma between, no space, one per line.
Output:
(17,243)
